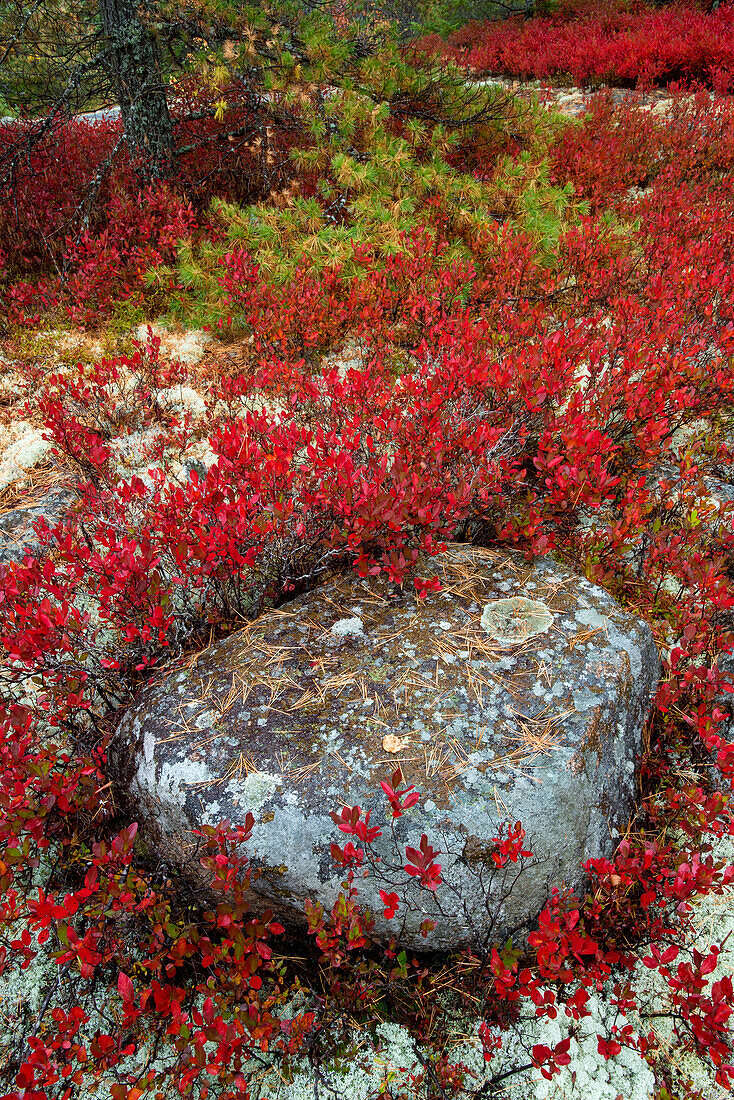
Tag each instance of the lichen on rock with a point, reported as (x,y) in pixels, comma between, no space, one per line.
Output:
(515,620)
(348,628)
(327,695)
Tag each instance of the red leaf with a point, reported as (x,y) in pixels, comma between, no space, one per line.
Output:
(125,988)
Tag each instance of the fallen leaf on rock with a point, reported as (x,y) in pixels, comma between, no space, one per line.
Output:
(394,744)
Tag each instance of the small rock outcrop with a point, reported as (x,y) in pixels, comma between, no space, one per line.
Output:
(517,693)
(17,534)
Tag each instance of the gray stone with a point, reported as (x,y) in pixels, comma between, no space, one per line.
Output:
(17,534)
(291,718)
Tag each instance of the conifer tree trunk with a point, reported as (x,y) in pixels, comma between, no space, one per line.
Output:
(136,78)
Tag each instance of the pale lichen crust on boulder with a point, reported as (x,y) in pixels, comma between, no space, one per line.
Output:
(515,620)
(288,718)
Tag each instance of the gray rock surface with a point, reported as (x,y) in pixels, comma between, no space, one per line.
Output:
(17,535)
(291,716)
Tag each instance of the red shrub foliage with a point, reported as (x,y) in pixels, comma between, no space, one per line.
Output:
(516,401)
(47,186)
(618,147)
(141,233)
(72,180)
(484,425)
(614,43)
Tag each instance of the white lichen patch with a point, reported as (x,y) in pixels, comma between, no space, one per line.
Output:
(176,779)
(588,1076)
(187,347)
(23,993)
(254,790)
(136,454)
(515,619)
(361,1069)
(22,447)
(349,358)
(12,384)
(72,342)
(131,453)
(182,400)
(348,628)
(712,923)
(198,455)
(201,451)
(392,1063)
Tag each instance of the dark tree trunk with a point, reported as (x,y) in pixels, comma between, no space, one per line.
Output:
(135,71)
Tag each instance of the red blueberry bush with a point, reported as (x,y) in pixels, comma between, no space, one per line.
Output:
(72,200)
(518,399)
(485,427)
(620,43)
